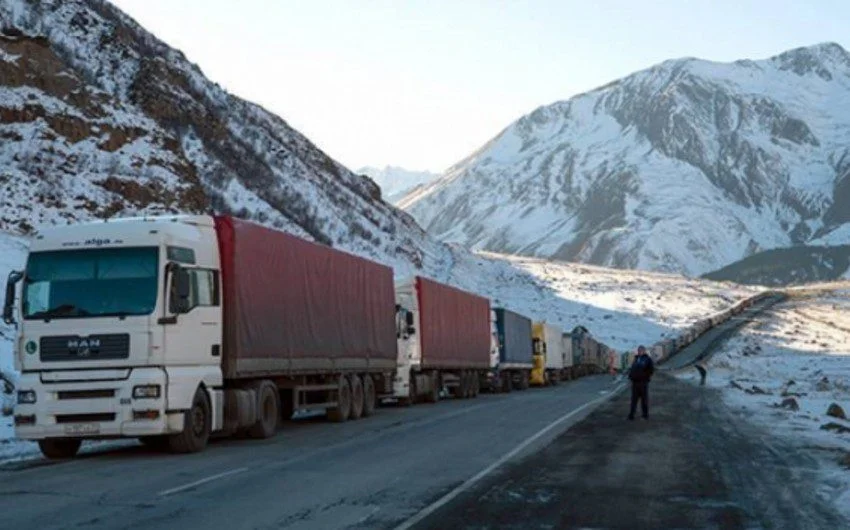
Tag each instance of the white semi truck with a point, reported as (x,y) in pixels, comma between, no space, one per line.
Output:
(172,329)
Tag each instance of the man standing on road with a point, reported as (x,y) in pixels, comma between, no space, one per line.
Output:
(640,373)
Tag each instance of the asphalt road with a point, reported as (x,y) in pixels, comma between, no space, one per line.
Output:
(693,465)
(713,338)
(373,473)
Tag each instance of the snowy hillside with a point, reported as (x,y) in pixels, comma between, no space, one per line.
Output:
(396,182)
(99,118)
(686,167)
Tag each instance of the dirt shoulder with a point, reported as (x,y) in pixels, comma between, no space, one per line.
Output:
(694,464)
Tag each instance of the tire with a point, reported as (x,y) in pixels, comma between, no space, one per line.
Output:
(196,426)
(268,410)
(459,392)
(476,384)
(370,399)
(342,411)
(523,381)
(507,382)
(434,393)
(357,397)
(470,384)
(58,448)
(154,443)
(553,379)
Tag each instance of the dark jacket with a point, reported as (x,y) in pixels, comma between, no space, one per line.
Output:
(642,369)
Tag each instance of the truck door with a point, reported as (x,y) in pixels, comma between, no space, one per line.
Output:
(193,325)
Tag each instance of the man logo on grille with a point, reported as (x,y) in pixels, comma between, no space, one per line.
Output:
(83,347)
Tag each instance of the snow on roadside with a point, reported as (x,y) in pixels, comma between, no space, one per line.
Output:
(800,356)
(621,308)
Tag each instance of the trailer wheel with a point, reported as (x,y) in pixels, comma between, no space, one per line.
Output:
(468,391)
(342,411)
(476,384)
(56,448)
(196,426)
(357,397)
(507,382)
(459,391)
(433,395)
(523,380)
(369,397)
(267,411)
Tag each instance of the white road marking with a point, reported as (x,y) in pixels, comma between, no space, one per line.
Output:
(191,485)
(442,501)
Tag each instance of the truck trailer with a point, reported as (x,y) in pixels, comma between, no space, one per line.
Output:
(449,344)
(173,329)
(511,367)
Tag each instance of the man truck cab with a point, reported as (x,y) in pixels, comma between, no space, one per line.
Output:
(99,352)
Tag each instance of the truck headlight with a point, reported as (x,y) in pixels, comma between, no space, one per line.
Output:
(147,392)
(26,397)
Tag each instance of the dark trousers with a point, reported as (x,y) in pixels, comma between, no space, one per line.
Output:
(640,391)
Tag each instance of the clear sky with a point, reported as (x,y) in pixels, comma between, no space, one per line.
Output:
(423,83)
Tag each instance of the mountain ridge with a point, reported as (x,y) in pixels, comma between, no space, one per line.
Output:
(686,166)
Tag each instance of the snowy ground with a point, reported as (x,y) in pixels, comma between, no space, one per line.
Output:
(799,351)
(621,308)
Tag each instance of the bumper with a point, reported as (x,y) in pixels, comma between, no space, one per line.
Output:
(95,409)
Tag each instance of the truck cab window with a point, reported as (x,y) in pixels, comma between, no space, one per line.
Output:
(203,290)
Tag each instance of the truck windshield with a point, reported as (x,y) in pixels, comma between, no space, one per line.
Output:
(91,283)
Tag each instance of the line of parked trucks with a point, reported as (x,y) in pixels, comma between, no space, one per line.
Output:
(175,329)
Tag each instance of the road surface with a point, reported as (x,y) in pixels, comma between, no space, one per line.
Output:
(372,473)
(694,464)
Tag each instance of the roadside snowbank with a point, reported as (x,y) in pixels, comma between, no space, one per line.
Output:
(797,355)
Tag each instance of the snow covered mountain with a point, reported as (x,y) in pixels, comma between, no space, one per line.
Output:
(687,166)
(99,118)
(396,182)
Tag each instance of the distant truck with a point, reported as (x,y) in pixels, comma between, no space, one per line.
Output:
(511,367)
(548,348)
(174,329)
(448,344)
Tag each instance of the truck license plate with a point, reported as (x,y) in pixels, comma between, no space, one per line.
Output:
(82,428)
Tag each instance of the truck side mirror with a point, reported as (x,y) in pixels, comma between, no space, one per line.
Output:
(9,305)
(182,289)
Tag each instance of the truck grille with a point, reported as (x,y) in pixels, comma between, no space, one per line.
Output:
(85,394)
(93,347)
(86,418)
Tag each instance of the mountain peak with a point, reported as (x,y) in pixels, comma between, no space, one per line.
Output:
(685,166)
(820,59)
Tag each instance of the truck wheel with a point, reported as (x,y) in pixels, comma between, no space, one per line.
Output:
(356,396)
(369,397)
(507,382)
(434,392)
(467,393)
(56,448)
(196,426)
(523,381)
(459,392)
(342,411)
(267,411)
